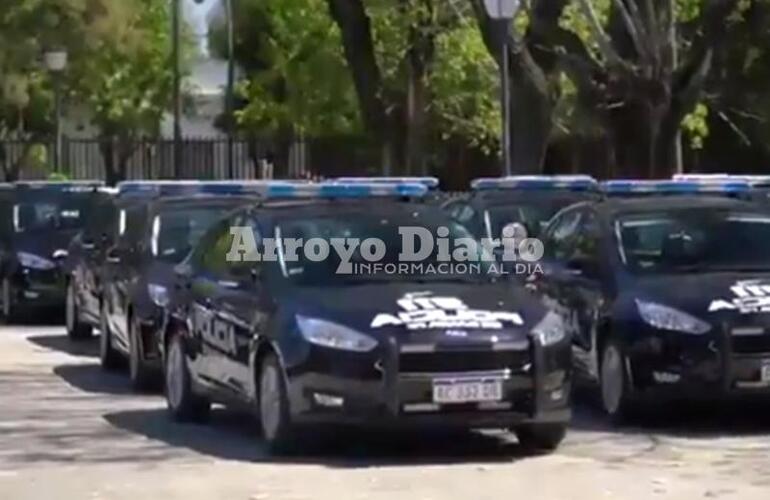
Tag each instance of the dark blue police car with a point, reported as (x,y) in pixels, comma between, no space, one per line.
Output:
(157,224)
(39,220)
(301,341)
(665,288)
(530,201)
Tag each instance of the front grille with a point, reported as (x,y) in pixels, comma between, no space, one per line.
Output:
(47,277)
(751,344)
(462,361)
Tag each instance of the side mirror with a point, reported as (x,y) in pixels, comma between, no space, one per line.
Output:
(581,266)
(515,230)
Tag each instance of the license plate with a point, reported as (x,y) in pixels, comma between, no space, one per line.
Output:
(765,373)
(453,391)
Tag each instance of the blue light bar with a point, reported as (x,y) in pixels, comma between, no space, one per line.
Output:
(190,188)
(537,183)
(429,182)
(652,187)
(87,185)
(335,189)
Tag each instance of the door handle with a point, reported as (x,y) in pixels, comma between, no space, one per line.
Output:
(88,246)
(113,259)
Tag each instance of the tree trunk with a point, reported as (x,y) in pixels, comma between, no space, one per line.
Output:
(107,148)
(355,26)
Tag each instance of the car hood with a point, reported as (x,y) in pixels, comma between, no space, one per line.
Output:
(480,311)
(43,244)
(736,297)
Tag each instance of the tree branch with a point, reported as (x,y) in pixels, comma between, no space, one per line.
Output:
(634,27)
(602,39)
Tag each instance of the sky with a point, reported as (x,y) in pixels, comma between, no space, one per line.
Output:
(195,14)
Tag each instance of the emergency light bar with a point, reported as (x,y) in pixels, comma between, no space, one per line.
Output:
(652,187)
(752,180)
(338,189)
(537,183)
(60,185)
(429,182)
(182,188)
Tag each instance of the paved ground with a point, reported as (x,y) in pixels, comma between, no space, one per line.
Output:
(70,432)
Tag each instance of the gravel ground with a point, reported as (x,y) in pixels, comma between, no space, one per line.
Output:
(71,432)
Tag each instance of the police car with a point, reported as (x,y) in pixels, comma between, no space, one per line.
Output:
(530,201)
(38,221)
(83,266)
(289,333)
(157,224)
(665,289)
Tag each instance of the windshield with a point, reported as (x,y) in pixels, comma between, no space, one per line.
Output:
(385,228)
(695,240)
(534,218)
(176,232)
(56,212)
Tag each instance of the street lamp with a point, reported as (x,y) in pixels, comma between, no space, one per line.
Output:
(502,12)
(56,63)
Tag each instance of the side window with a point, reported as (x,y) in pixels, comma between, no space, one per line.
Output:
(244,268)
(213,257)
(587,241)
(561,237)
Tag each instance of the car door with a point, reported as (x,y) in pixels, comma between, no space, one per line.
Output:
(571,281)
(122,262)
(95,241)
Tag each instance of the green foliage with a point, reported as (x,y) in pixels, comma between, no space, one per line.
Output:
(695,126)
(127,82)
(465,88)
(297,78)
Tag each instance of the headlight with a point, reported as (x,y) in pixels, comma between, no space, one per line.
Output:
(158,294)
(550,330)
(668,318)
(33,261)
(328,334)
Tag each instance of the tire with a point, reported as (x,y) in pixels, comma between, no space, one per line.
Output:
(541,437)
(140,374)
(109,357)
(76,330)
(9,312)
(278,432)
(182,403)
(615,390)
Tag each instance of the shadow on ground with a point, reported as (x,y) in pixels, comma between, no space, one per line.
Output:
(62,343)
(91,378)
(681,419)
(234,436)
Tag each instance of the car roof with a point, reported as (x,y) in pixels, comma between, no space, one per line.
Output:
(617,205)
(321,207)
(504,197)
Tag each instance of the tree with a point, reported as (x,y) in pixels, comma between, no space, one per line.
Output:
(639,66)
(127,82)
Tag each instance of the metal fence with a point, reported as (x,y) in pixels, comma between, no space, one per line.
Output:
(200,158)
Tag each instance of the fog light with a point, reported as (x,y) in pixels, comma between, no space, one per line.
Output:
(28,294)
(557,395)
(553,380)
(666,377)
(327,400)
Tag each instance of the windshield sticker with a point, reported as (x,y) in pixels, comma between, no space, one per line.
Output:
(423,311)
(750,296)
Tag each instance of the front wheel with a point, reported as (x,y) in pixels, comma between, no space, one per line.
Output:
(615,389)
(139,373)
(182,403)
(541,437)
(76,330)
(274,416)
(109,357)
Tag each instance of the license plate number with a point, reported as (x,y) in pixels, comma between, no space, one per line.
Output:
(450,391)
(765,373)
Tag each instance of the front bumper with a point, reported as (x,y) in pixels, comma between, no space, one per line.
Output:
(393,387)
(38,288)
(723,363)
